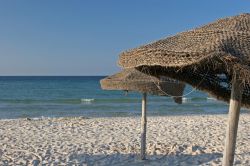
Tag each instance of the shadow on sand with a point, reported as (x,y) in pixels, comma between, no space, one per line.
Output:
(134,160)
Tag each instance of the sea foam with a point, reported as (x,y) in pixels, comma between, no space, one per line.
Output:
(87,100)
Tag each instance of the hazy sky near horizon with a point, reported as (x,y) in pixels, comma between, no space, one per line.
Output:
(85,37)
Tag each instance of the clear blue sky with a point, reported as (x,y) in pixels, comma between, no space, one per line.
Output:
(85,37)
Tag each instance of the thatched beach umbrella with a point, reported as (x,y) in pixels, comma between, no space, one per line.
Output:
(214,58)
(134,80)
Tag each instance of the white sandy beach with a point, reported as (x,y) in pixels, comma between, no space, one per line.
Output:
(171,140)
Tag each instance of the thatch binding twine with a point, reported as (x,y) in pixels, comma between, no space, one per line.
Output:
(134,80)
(216,52)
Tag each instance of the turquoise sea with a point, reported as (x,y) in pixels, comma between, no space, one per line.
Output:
(32,97)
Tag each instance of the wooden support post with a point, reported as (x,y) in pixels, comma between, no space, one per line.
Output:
(143,126)
(233,119)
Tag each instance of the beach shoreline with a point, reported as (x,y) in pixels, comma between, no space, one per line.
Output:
(171,140)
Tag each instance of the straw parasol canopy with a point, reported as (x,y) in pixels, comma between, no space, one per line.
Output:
(207,57)
(214,58)
(134,80)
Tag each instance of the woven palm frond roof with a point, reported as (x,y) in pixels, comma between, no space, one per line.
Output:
(228,36)
(134,80)
(207,57)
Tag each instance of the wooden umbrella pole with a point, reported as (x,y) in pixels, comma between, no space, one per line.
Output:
(233,119)
(143,126)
